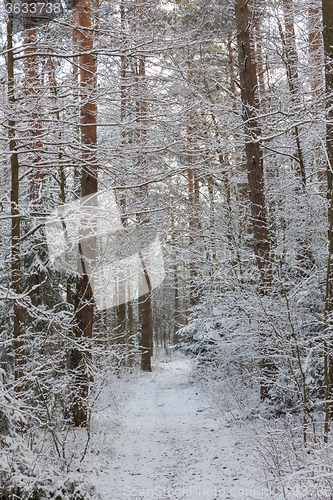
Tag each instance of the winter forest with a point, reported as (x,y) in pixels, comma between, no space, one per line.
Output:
(166,250)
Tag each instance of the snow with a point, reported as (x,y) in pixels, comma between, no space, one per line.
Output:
(166,441)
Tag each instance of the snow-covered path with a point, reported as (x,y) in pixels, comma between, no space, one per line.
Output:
(168,443)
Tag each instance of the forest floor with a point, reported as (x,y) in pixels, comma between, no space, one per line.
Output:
(166,441)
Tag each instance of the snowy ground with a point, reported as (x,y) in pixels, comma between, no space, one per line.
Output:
(167,443)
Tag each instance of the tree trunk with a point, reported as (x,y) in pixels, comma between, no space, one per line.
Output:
(315,40)
(84,311)
(254,161)
(15,229)
(291,61)
(315,46)
(193,198)
(175,286)
(31,84)
(121,308)
(256,51)
(192,222)
(260,66)
(328,48)
(145,308)
(290,46)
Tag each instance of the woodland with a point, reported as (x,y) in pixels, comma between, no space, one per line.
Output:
(210,123)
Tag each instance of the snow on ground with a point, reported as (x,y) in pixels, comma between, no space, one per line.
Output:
(167,442)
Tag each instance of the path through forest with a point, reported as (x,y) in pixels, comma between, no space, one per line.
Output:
(167,442)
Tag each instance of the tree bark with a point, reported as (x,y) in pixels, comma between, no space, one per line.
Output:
(84,308)
(193,198)
(31,85)
(315,45)
(121,308)
(290,46)
(291,60)
(254,160)
(254,163)
(327,13)
(145,308)
(256,52)
(192,221)
(15,229)
(260,66)
(175,286)
(328,48)
(315,40)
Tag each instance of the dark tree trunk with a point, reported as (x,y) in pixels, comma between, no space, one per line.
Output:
(193,198)
(145,308)
(256,52)
(15,230)
(290,46)
(192,222)
(84,298)
(176,288)
(145,311)
(254,161)
(315,45)
(121,309)
(260,66)
(328,48)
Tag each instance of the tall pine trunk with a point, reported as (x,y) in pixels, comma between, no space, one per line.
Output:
(84,308)
(145,307)
(256,48)
(315,45)
(121,308)
(254,160)
(15,214)
(193,198)
(254,164)
(31,85)
(328,48)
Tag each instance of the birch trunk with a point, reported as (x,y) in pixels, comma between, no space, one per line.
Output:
(291,56)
